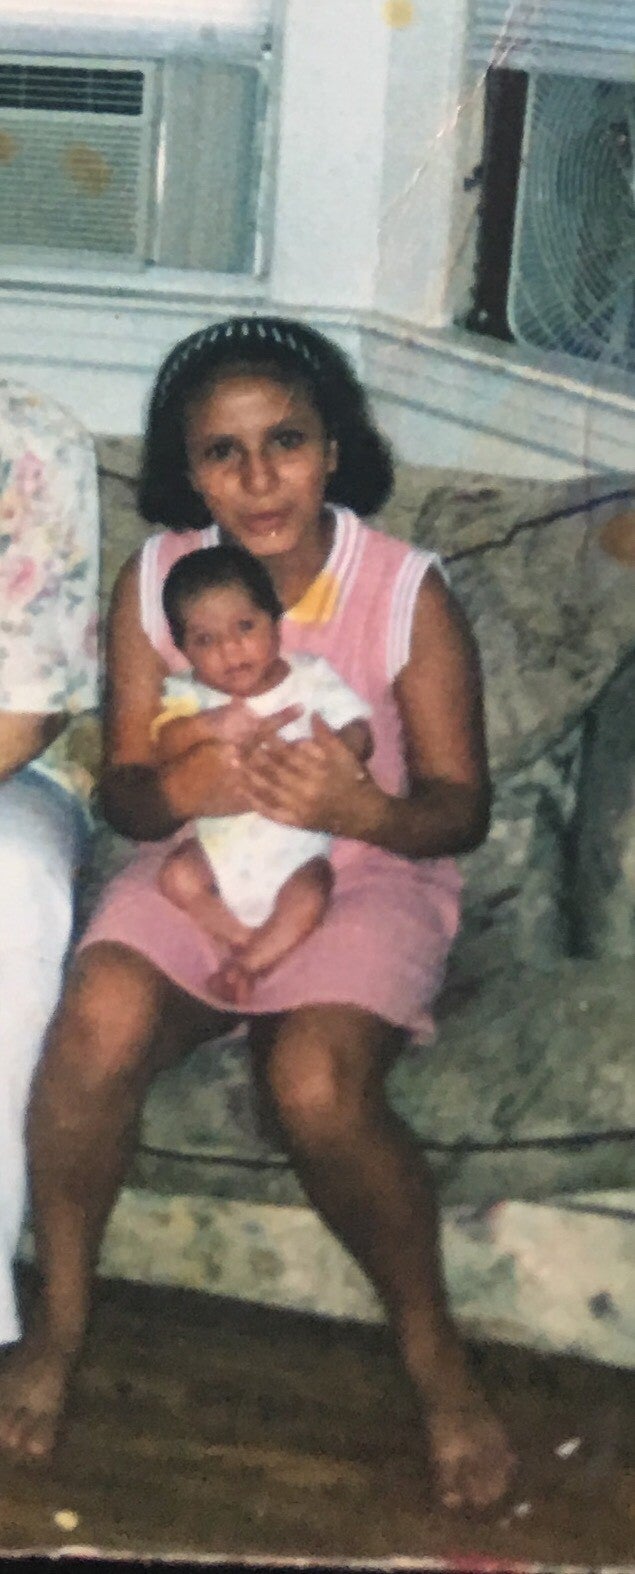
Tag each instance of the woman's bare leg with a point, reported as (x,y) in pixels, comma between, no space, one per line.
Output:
(119,1022)
(324,1066)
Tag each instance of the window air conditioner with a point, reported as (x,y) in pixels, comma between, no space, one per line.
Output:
(133,161)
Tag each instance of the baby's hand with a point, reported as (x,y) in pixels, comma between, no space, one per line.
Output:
(268,727)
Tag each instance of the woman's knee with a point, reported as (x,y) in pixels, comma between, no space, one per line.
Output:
(107,1017)
(325,1078)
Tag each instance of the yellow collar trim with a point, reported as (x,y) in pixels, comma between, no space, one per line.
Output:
(318,603)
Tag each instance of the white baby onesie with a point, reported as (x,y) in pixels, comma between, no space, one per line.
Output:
(252,857)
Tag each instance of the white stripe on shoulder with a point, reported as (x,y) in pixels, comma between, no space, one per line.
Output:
(341,535)
(404,599)
(349,554)
(151,581)
(148,585)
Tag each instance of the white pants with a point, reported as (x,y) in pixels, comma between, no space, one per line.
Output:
(42,832)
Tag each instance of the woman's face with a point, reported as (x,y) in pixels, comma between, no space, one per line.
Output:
(260,459)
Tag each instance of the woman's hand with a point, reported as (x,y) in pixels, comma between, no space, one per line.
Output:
(314,783)
(236,723)
(211,776)
(207,779)
(232,723)
(444,811)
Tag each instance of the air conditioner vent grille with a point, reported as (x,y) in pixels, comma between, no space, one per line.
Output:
(62,188)
(73,89)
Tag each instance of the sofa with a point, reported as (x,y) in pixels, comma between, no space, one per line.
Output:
(524,1103)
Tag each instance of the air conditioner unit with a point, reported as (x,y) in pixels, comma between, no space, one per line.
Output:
(133,161)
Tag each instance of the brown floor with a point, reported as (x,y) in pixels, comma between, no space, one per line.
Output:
(219,1430)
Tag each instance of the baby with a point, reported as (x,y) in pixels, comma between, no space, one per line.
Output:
(254,885)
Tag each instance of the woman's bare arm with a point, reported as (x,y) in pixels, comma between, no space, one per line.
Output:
(439,694)
(141,797)
(446,810)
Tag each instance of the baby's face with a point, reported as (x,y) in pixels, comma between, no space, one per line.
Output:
(230,643)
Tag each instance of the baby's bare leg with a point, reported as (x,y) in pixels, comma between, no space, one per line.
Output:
(186,879)
(300,906)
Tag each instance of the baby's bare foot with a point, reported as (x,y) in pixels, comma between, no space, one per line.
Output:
(33,1385)
(232,983)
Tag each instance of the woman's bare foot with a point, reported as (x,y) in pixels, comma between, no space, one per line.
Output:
(473,1462)
(34,1379)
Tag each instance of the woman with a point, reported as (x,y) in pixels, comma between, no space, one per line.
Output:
(258,431)
(49,534)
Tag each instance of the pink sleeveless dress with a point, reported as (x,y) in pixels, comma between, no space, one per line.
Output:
(384,941)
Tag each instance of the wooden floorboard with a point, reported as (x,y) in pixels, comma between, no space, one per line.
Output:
(215,1430)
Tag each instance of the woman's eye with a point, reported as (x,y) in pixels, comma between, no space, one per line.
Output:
(220,450)
(290,438)
(245,626)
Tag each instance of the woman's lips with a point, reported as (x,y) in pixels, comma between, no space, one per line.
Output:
(265,524)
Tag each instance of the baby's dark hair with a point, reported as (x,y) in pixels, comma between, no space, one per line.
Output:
(290,353)
(210,568)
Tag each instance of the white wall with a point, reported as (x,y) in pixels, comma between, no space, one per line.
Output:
(367,243)
(419,163)
(445,400)
(332,124)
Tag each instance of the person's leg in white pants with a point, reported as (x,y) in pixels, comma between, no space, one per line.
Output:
(42,831)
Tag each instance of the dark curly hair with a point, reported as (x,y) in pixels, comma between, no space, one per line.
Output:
(211,568)
(291,353)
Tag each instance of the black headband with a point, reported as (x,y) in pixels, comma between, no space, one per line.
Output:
(262,332)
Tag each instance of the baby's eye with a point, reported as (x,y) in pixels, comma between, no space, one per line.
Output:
(246,625)
(203,641)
